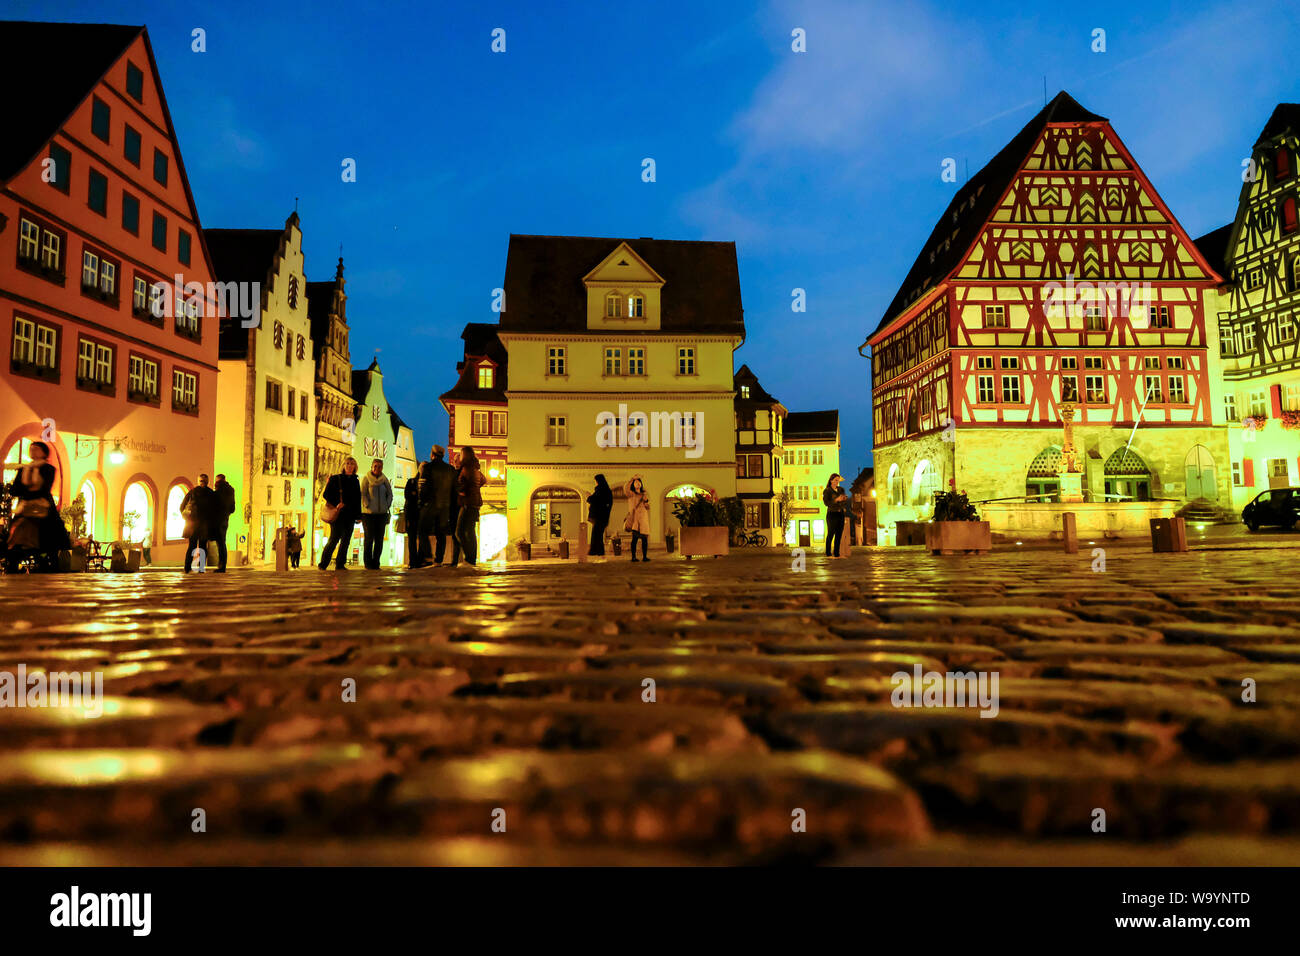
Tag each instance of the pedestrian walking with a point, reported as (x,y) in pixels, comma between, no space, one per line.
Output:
(376,502)
(293,547)
(469,481)
(36,530)
(411,519)
(836,500)
(226,499)
(201,508)
(342,510)
(599,504)
(638,516)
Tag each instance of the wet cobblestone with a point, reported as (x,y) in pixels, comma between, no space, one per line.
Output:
(520,692)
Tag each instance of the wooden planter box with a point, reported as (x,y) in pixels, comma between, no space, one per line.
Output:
(704,541)
(958,537)
(1168,534)
(525,551)
(564,549)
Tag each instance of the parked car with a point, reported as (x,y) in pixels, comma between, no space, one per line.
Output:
(1278,506)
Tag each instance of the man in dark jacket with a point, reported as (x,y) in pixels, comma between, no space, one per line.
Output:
(200,507)
(438,506)
(411,518)
(226,501)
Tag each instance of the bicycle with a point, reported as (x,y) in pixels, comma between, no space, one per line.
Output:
(746,539)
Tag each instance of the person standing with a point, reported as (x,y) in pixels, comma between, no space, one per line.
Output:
(469,481)
(438,507)
(599,504)
(836,500)
(411,519)
(225,493)
(200,507)
(376,502)
(293,547)
(638,516)
(343,491)
(36,524)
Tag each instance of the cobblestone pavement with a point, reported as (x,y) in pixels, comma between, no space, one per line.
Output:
(521,689)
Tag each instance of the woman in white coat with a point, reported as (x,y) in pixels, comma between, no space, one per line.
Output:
(638,516)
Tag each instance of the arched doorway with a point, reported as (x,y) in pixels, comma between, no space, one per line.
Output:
(174,525)
(1042,480)
(556,512)
(1201,478)
(90,502)
(1127,476)
(20,453)
(137,513)
(925,482)
(685,490)
(895,485)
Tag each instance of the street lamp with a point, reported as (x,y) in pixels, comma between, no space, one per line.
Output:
(116,457)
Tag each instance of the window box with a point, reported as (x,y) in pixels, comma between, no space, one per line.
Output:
(93,385)
(33,370)
(185,332)
(186,409)
(143,398)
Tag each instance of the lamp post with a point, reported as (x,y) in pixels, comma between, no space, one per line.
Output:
(115,457)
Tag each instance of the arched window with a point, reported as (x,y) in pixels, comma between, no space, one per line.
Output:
(1127,477)
(90,501)
(1042,481)
(137,514)
(175,528)
(925,482)
(613,305)
(1287,216)
(895,485)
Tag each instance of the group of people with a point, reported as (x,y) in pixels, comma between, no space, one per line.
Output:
(444,500)
(600,504)
(349,501)
(207,514)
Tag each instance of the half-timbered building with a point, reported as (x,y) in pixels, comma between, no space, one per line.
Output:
(759,421)
(1259,255)
(1057,285)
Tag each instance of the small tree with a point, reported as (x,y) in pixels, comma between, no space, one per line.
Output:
(75,515)
(129,520)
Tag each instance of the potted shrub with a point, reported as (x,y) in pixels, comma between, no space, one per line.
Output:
(707,523)
(956,528)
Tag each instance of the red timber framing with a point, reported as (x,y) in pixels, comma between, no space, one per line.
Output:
(1061,273)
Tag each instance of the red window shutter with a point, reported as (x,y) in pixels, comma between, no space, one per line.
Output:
(1289,221)
(1248,472)
(765,515)
(1275,394)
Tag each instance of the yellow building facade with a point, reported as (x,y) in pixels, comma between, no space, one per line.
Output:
(812,454)
(620,355)
(266,427)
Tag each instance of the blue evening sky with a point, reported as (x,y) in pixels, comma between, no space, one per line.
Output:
(823,167)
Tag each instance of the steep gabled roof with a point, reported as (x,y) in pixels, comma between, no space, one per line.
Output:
(1286,116)
(241,255)
(1214,246)
(812,426)
(480,342)
(758,395)
(975,202)
(48,70)
(545,292)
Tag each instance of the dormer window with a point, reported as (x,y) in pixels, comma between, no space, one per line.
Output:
(744,391)
(636,306)
(485,376)
(613,306)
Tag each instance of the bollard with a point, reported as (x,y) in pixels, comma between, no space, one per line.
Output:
(1069,532)
(584,541)
(1168,534)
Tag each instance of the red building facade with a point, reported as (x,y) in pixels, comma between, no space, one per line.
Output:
(96,222)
